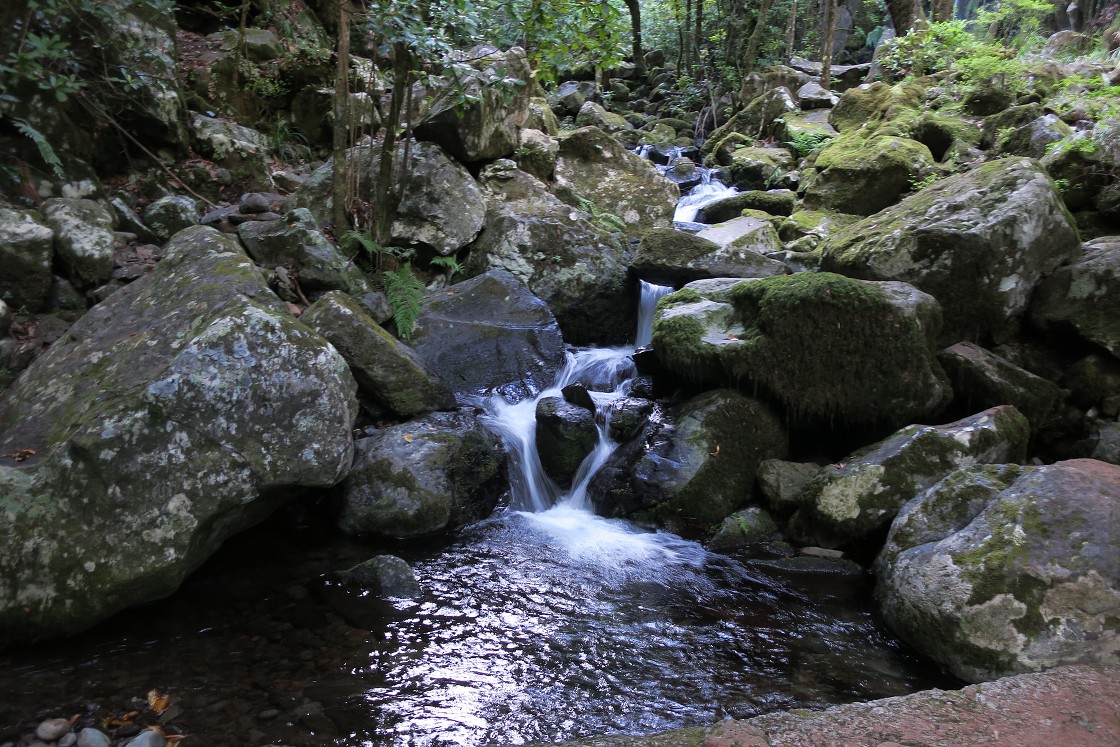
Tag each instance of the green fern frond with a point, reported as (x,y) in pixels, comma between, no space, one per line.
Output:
(46,152)
(362,239)
(450,264)
(405,294)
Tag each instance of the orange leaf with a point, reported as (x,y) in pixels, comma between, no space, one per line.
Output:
(157,702)
(408,437)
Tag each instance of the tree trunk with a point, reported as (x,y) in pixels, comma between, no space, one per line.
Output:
(941,10)
(697,33)
(756,37)
(636,35)
(340,176)
(686,37)
(903,14)
(385,199)
(826,45)
(792,32)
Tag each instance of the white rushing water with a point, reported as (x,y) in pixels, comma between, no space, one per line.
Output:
(702,194)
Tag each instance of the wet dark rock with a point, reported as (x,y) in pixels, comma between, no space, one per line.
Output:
(669,257)
(781,482)
(742,529)
(577,394)
(983,379)
(566,434)
(383,575)
(628,416)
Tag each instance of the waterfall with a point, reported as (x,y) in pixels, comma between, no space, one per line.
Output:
(702,194)
(607,374)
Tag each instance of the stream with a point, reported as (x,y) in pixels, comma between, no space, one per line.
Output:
(543,623)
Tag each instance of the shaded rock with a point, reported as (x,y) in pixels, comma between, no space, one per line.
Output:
(178,412)
(1107,443)
(1000,569)
(978,242)
(541,118)
(1034,138)
(852,500)
(627,417)
(813,223)
(537,154)
(983,379)
(440,471)
(781,482)
(296,244)
(26,255)
(822,345)
(489,332)
(52,729)
(83,238)
(669,257)
(756,168)
(594,115)
(383,575)
(384,367)
(171,214)
(745,233)
(90,737)
(1080,167)
(843,76)
(750,526)
(566,434)
(128,220)
(597,167)
(774,202)
(756,120)
(242,150)
(498,104)
(571,95)
(813,96)
(1083,295)
(859,175)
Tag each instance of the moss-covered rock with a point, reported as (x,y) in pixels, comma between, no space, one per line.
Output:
(1083,295)
(242,150)
(170,214)
(774,202)
(818,224)
(437,472)
(594,115)
(858,106)
(178,412)
(669,257)
(385,368)
(536,154)
(781,482)
(978,242)
(1034,138)
(541,118)
(751,526)
(998,126)
(1080,167)
(1002,569)
(26,257)
(826,347)
(858,497)
(597,167)
(859,175)
(751,168)
(756,119)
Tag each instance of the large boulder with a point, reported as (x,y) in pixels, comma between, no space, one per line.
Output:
(861,175)
(26,257)
(981,378)
(437,472)
(441,206)
(692,473)
(1003,569)
(497,95)
(489,333)
(563,256)
(242,150)
(826,347)
(178,412)
(600,169)
(666,256)
(1083,295)
(594,115)
(978,242)
(384,367)
(83,238)
(851,500)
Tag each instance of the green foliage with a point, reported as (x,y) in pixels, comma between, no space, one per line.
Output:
(560,34)
(450,265)
(805,142)
(608,222)
(405,294)
(926,51)
(917,184)
(1019,22)
(46,152)
(287,142)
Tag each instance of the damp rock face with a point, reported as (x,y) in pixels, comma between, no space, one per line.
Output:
(181,410)
(1001,569)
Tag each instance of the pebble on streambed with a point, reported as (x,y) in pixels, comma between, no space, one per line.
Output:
(65,732)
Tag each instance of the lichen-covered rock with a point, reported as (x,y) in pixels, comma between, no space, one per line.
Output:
(541,118)
(750,526)
(83,238)
(1003,569)
(594,115)
(1034,138)
(537,154)
(566,259)
(178,412)
(171,214)
(697,471)
(978,242)
(441,204)
(566,434)
(860,175)
(597,167)
(26,256)
(437,472)
(384,367)
(815,224)
(487,333)
(1084,294)
(242,150)
(824,346)
(297,244)
(981,378)
(669,257)
(498,104)
(781,482)
(852,500)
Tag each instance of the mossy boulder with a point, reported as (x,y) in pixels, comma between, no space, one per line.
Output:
(977,242)
(183,409)
(566,434)
(597,167)
(170,214)
(751,526)
(431,474)
(489,333)
(852,500)
(818,224)
(385,368)
(594,115)
(26,258)
(1084,295)
(827,348)
(1080,168)
(1034,138)
(1000,125)
(750,168)
(981,378)
(756,119)
(702,467)
(859,175)
(669,257)
(567,260)
(863,104)
(536,154)
(745,233)
(541,117)
(773,201)
(83,238)
(1003,569)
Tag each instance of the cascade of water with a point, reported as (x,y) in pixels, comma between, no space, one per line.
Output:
(702,194)
(607,374)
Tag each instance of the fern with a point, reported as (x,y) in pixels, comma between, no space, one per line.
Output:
(45,150)
(450,264)
(362,239)
(405,294)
